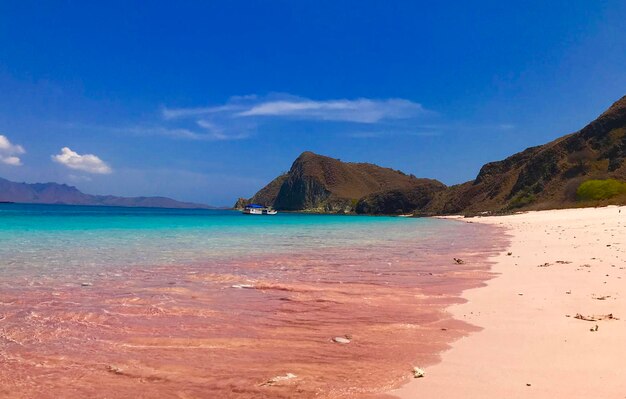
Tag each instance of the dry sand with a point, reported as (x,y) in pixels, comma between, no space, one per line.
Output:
(532,345)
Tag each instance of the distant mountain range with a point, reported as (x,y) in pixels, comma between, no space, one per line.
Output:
(540,177)
(54,193)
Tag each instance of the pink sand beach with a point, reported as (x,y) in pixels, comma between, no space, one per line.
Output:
(552,322)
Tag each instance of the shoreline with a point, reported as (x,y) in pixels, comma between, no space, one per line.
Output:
(213,323)
(562,263)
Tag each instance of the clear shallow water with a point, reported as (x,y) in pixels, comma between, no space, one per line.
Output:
(115,297)
(51,238)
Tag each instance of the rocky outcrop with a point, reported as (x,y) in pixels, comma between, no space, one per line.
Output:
(317,183)
(241,203)
(268,194)
(401,200)
(265,196)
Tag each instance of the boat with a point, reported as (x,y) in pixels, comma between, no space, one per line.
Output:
(256,209)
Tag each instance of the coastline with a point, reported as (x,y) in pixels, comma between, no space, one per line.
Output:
(562,263)
(187,317)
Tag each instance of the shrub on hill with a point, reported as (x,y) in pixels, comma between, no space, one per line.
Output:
(600,189)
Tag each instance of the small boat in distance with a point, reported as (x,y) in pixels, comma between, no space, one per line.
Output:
(256,209)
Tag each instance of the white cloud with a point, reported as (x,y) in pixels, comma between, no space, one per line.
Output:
(11,160)
(242,116)
(87,163)
(360,110)
(9,152)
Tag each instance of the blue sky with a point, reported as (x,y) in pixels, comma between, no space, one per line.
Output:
(207,101)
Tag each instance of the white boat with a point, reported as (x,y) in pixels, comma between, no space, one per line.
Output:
(256,209)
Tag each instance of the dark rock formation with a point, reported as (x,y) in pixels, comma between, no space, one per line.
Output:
(267,195)
(241,203)
(401,200)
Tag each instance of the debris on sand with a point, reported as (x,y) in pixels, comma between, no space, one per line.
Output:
(563,262)
(595,317)
(594,329)
(509,253)
(459,261)
(544,265)
(279,378)
(342,340)
(418,372)
(242,286)
(114,369)
(602,298)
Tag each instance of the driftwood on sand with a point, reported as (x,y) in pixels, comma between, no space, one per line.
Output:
(595,317)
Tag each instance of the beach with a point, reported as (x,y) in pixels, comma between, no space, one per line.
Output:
(109,302)
(553,319)
(526,305)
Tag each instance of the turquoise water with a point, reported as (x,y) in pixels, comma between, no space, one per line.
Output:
(96,301)
(57,238)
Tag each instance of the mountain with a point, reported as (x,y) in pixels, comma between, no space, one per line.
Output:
(541,177)
(545,176)
(400,200)
(54,193)
(266,196)
(318,183)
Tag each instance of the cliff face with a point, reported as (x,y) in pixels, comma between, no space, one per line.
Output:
(53,193)
(401,200)
(324,184)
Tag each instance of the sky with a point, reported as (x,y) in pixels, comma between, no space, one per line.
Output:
(207,101)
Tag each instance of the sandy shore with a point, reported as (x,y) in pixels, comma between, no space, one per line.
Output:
(561,263)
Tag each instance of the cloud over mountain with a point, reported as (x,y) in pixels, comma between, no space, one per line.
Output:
(87,163)
(9,152)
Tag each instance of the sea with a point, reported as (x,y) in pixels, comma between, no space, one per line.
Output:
(111,302)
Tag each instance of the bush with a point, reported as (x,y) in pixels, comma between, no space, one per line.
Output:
(600,189)
(522,200)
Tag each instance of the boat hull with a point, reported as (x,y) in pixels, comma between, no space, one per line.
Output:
(258,211)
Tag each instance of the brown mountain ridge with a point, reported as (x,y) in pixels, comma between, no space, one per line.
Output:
(316,183)
(540,177)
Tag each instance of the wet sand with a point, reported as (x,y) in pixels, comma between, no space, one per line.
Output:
(246,327)
(554,320)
